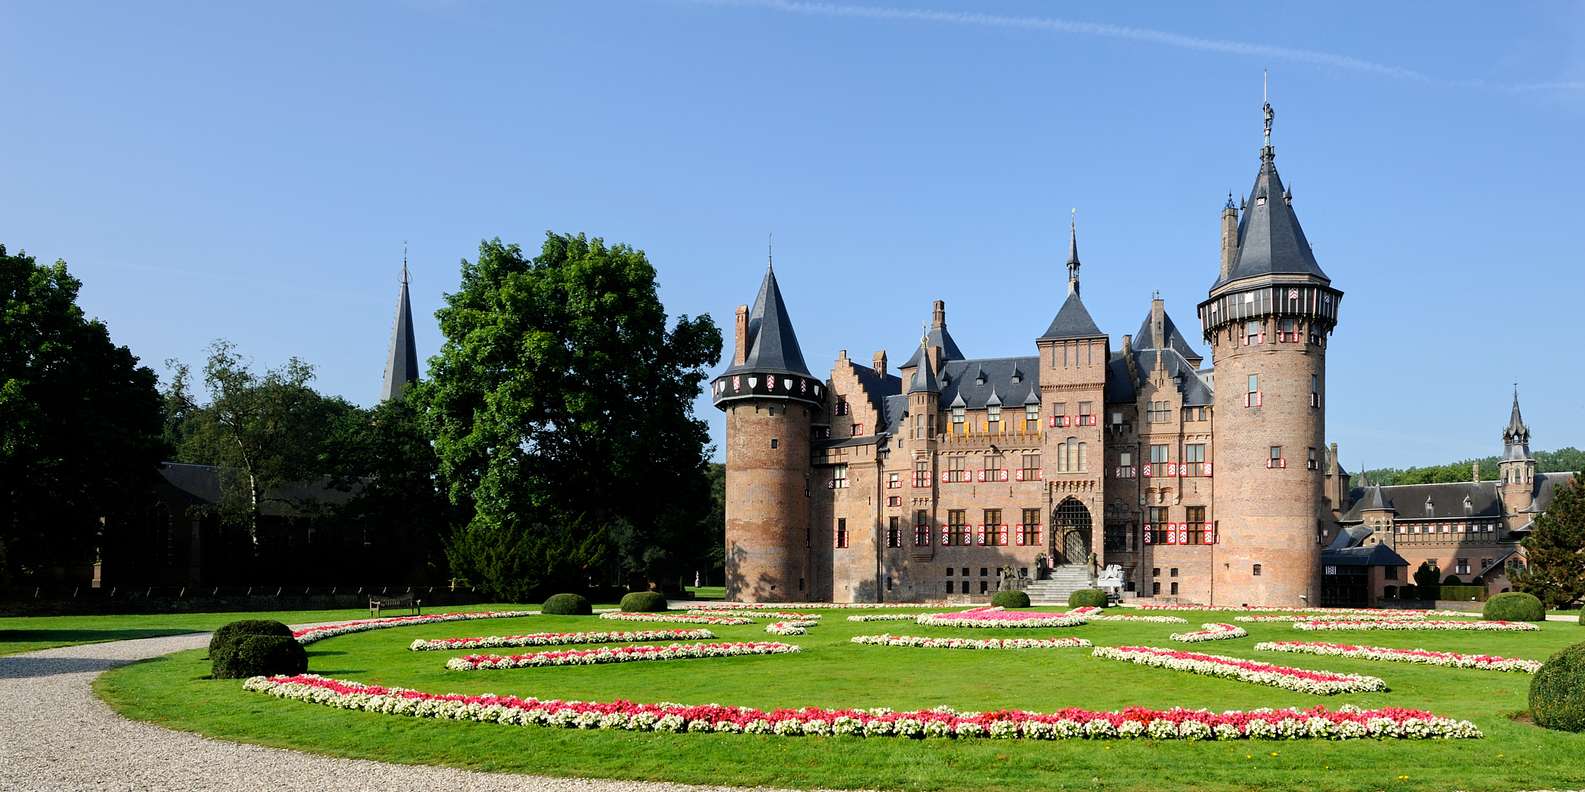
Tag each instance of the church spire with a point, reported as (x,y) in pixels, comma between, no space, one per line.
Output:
(401,365)
(1516,433)
(1073,253)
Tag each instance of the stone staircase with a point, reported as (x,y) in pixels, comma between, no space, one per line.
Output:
(1064,580)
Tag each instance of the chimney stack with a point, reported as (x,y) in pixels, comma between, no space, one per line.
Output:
(1158,321)
(1474,471)
(1229,237)
(938,314)
(740,353)
(880,362)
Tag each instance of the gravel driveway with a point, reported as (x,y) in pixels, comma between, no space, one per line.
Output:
(58,736)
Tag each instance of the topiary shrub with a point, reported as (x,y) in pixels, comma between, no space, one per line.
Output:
(1409,592)
(1087,598)
(1514,606)
(1557,693)
(567,605)
(1010,599)
(643,602)
(229,633)
(1452,580)
(259,655)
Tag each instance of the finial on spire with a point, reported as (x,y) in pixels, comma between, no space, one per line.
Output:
(1073,252)
(1266,152)
(404,262)
(1230,201)
(770,250)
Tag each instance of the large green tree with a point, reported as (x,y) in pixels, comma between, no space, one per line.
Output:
(1555,549)
(79,422)
(561,406)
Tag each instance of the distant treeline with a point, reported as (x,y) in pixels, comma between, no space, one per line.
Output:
(1562,460)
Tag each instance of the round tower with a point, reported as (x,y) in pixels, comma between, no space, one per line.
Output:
(770,400)
(1267,321)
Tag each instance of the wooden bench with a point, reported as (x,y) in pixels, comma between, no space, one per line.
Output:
(414,606)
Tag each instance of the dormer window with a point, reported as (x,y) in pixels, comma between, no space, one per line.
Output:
(1430,511)
(1469,508)
(980,380)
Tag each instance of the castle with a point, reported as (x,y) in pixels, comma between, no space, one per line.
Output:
(924,484)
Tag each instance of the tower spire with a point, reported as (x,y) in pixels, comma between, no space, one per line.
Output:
(401,364)
(1073,253)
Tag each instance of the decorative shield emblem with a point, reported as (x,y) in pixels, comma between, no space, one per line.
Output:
(753,382)
(787,383)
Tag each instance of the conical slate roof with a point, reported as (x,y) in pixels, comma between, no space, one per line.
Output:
(401,364)
(1374,500)
(773,346)
(1145,339)
(936,336)
(924,379)
(1072,321)
(1516,425)
(1270,240)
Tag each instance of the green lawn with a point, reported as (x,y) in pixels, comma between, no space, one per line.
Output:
(172,691)
(27,633)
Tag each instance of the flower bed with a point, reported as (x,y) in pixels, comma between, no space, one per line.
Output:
(308,635)
(1323,683)
(996,617)
(755,614)
(1343,723)
(801,606)
(1097,614)
(1298,617)
(554,639)
(876,617)
(1443,624)
(676,618)
(1423,656)
(1290,609)
(617,654)
(1214,631)
(796,627)
(969,643)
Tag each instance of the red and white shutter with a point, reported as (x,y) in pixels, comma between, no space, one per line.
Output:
(1147,533)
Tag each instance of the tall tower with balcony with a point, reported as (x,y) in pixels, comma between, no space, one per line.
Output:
(1074,356)
(1267,320)
(1516,467)
(770,400)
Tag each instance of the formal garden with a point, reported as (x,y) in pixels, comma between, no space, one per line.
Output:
(893,696)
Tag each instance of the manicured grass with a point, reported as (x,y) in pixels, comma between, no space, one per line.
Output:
(832,672)
(708,592)
(27,633)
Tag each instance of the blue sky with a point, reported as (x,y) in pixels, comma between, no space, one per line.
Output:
(251,172)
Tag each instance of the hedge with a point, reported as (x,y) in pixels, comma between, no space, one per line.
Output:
(644,602)
(229,633)
(1087,598)
(1010,599)
(1463,593)
(259,655)
(1514,606)
(567,605)
(1557,693)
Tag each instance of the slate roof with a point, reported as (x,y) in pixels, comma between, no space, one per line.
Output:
(937,336)
(961,378)
(1374,500)
(202,485)
(1119,383)
(1194,390)
(1546,485)
(1270,240)
(1072,321)
(1365,555)
(401,364)
(773,346)
(878,386)
(895,408)
(1447,501)
(1146,338)
(924,379)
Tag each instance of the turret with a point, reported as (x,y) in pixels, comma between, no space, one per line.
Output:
(770,400)
(1517,467)
(1267,320)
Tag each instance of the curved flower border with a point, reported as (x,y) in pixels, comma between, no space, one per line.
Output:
(888,639)
(755,614)
(1321,683)
(1299,617)
(1091,613)
(795,627)
(1443,624)
(617,654)
(1422,656)
(1343,723)
(1213,631)
(801,606)
(996,617)
(1290,609)
(308,635)
(675,618)
(555,639)
(879,617)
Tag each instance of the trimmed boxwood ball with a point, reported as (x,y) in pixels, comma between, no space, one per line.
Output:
(567,605)
(1557,693)
(1087,598)
(259,655)
(644,602)
(1514,606)
(1010,599)
(229,633)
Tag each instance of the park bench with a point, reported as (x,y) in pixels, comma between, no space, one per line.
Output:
(413,605)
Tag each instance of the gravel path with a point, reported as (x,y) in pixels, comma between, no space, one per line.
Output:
(59,736)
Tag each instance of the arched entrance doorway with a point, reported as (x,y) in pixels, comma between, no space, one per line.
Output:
(1070,527)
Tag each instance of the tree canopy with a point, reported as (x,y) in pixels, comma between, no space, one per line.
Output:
(1555,549)
(1562,460)
(561,408)
(80,421)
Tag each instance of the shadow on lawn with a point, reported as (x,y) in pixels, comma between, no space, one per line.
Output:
(59,637)
(34,667)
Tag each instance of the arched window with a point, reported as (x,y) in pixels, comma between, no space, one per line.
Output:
(1083,457)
